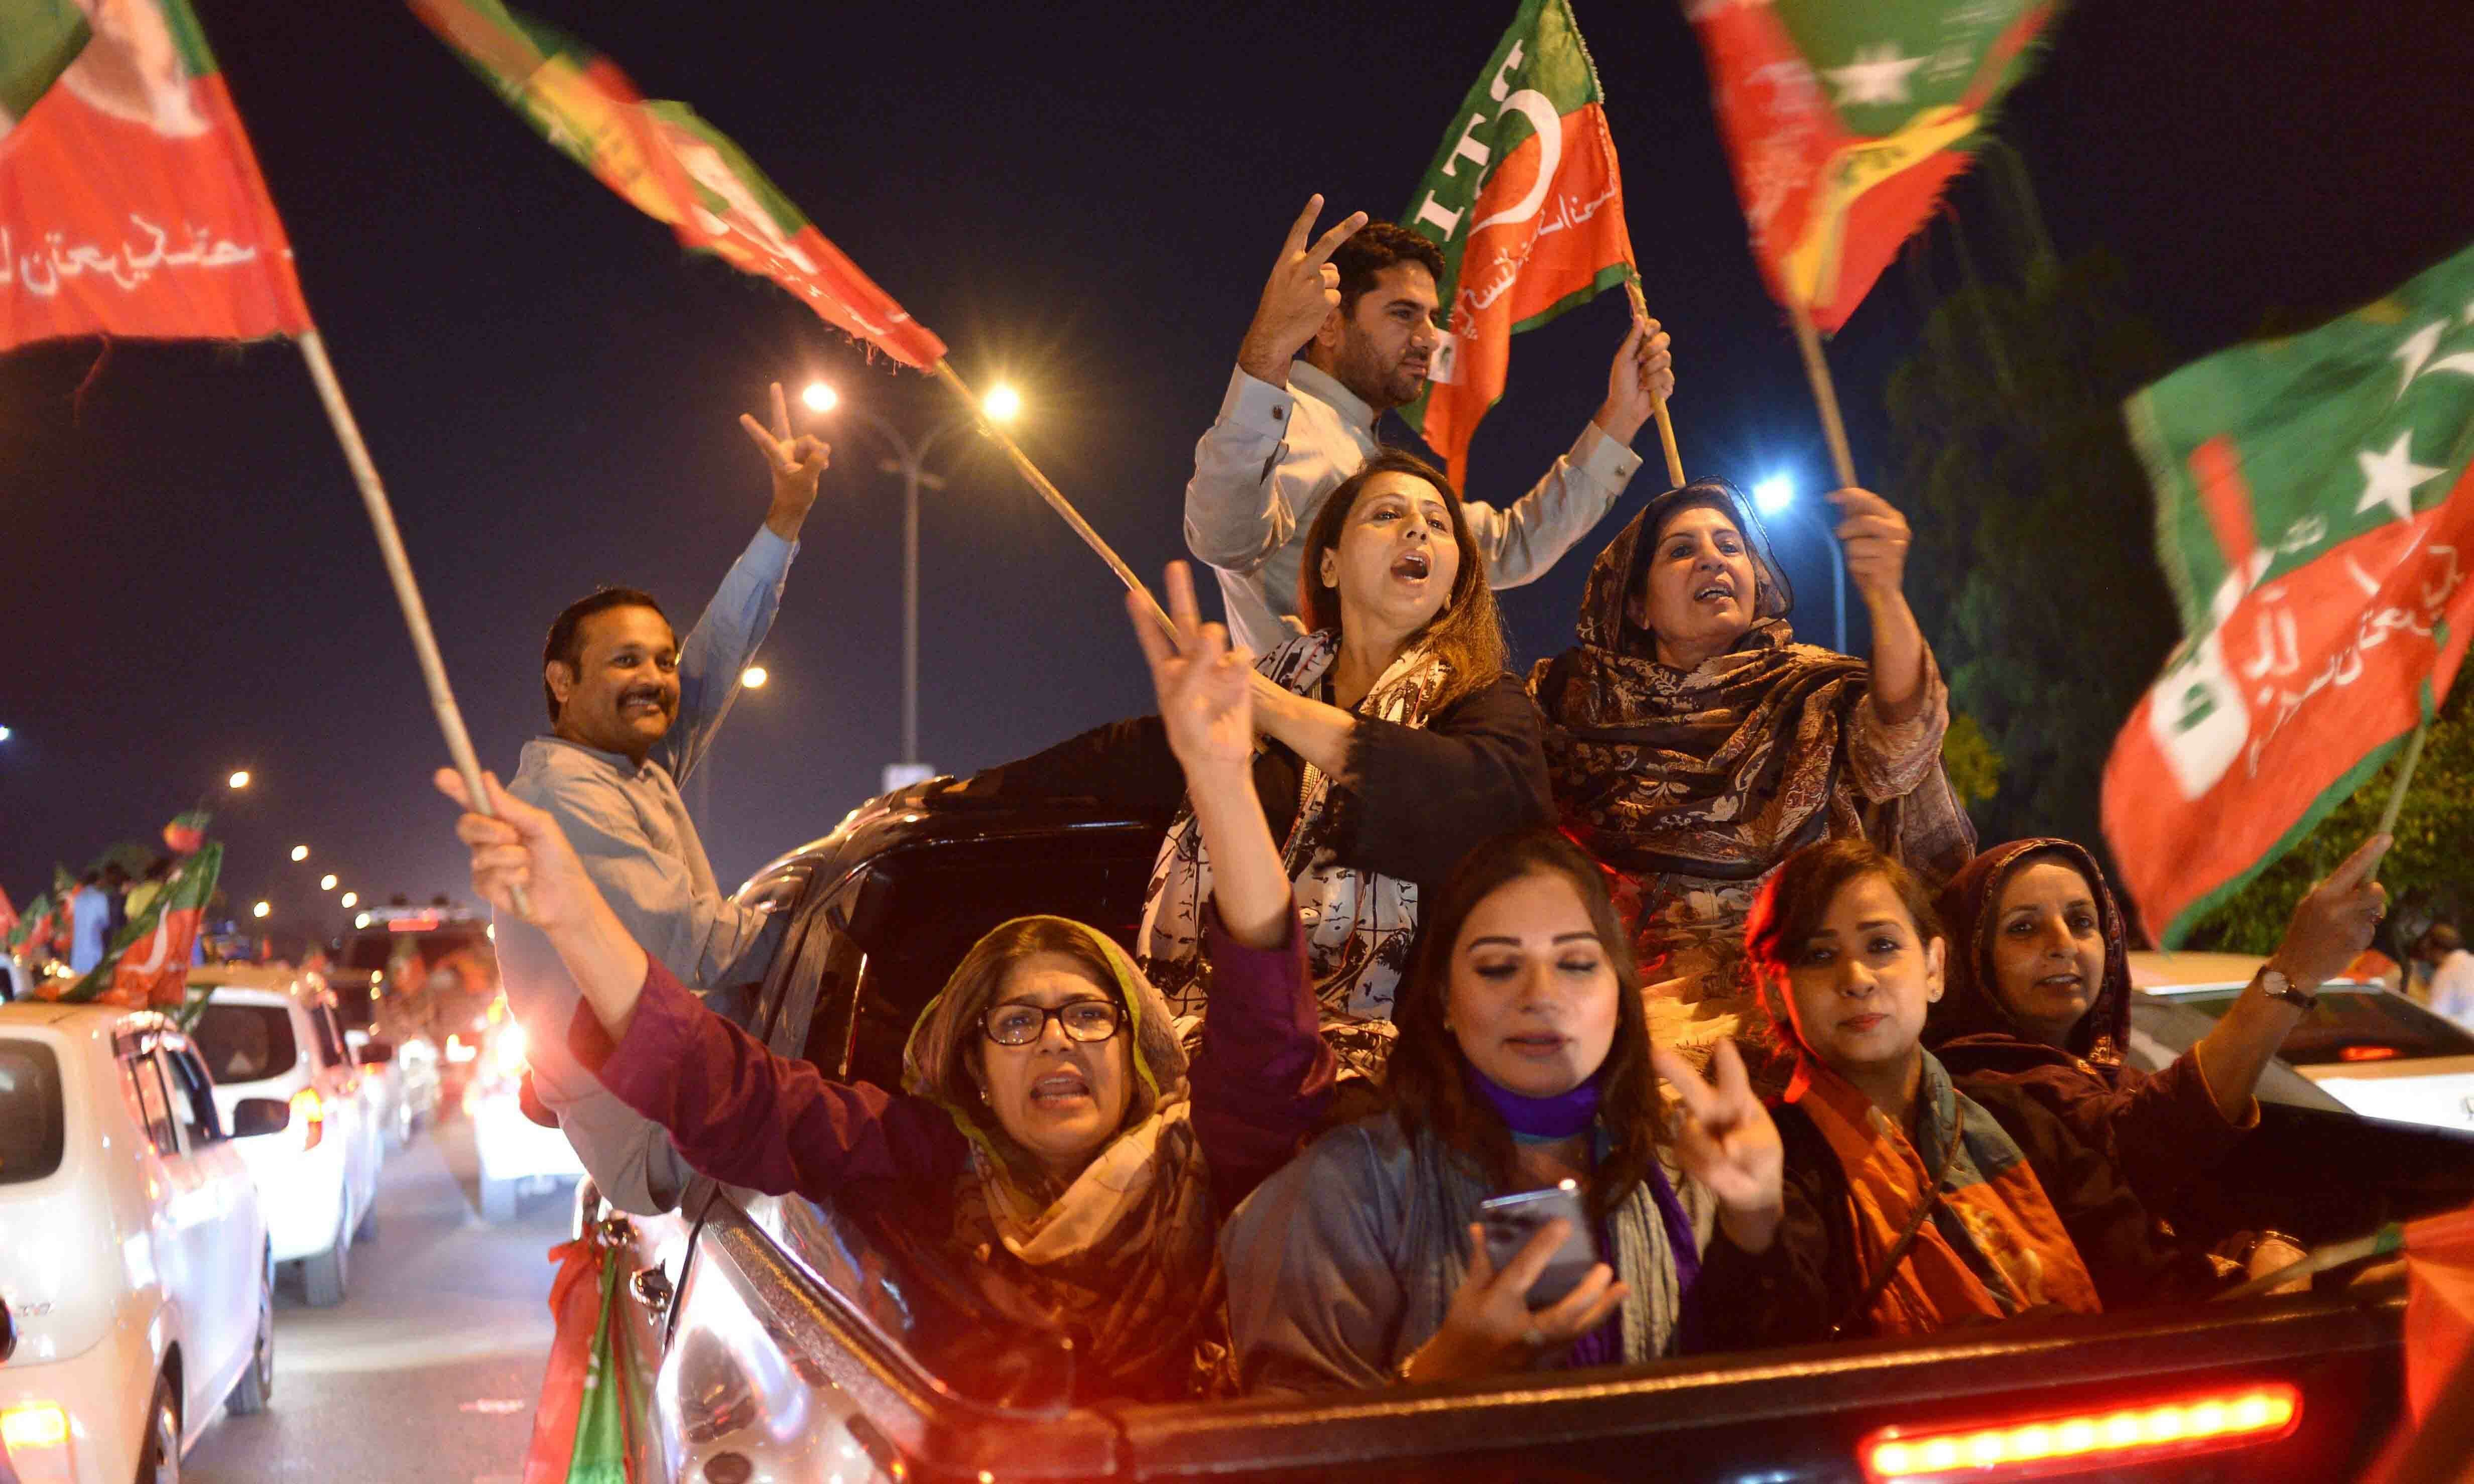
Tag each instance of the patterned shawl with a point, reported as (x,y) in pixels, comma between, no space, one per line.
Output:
(1726,770)
(1358,925)
(1126,1256)
(1971,1029)
(1994,1247)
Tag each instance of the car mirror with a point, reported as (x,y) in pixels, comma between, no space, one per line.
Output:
(377,1051)
(253,1116)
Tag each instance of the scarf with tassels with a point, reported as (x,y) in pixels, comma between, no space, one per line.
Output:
(1993,1246)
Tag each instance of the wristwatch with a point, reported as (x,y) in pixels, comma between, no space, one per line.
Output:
(2279,988)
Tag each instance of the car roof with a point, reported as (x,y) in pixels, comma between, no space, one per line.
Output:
(2150,970)
(274,979)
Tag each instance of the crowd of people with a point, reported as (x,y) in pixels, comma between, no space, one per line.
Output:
(1687,925)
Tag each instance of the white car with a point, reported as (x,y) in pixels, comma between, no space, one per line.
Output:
(270,1033)
(134,1253)
(2366,1048)
(516,1153)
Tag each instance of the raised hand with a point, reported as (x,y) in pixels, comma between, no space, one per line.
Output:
(797,461)
(1206,698)
(1644,371)
(2334,923)
(1490,1325)
(1301,293)
(1728,1143)
(523,848)
(1873,536)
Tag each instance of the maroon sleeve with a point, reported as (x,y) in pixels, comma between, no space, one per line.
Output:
(747,1117)
(2165,1130)
(1263,1075)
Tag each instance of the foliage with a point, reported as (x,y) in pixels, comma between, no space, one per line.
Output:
(2426,874)
(2034,571)
(1973,764)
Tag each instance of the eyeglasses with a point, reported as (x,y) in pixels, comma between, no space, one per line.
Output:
(1083,1020)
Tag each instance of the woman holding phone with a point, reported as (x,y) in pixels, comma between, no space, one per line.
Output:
(1523,1062)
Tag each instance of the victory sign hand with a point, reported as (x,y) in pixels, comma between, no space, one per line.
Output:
(1301,293)
(1206,700)
(1873,536)
(2334,924)
(797,462)
(1728,1143)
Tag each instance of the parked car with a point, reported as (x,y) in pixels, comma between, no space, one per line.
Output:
(2364,1048)
(800,1341)
(134,1253)
(271,1033)
(516,1154)
(403,1087)
(441,973)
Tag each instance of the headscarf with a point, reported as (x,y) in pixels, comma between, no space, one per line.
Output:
(1126,1252)
(1358,925)
(1723,772)
(1971,1027)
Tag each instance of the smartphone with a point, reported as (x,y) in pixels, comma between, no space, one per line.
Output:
(1510,1221)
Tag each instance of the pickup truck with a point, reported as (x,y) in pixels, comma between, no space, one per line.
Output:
(781,1339)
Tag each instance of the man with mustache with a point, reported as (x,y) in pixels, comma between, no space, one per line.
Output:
(632,711)
(1347,331)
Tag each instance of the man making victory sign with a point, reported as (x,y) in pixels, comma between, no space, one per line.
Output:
(632,712)
(1345,331)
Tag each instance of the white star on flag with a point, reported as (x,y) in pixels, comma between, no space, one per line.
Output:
(1878,74)
(2392,478)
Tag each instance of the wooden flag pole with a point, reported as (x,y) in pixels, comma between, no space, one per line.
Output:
(1824,394)
(1057,500)
(1656,404)
(407,591)
(2405,777)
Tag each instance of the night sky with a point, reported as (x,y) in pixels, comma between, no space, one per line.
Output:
(1081,198)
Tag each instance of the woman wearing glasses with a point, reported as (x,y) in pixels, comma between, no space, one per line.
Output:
(1051,1135)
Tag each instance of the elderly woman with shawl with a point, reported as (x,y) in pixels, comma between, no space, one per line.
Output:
(1390,741)
(2040,1000)
(1050,1137)
(1524,1060)
(1693,744)
(1912,1204)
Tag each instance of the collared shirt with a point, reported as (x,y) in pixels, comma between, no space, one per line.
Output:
(90,926)
(1264,467)
(2452,987)
(629,825)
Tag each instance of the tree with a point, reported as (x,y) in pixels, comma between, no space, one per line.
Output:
(2033,572)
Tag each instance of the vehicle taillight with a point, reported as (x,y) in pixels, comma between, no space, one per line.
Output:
(2365,1053)
(34,1425)
(309,1116)
(2110,1438)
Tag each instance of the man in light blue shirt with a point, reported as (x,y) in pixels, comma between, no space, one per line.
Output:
(90,923)
(632,712)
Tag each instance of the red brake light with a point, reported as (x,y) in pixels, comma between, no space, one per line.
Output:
(2365,1053)
(2041,1444)
(309,1113)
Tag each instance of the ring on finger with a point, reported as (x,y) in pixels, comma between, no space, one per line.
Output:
(1534,1338)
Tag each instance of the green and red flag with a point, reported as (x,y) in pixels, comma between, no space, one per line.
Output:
(187,832)
(130,199)
(1526,202)
(148,963)
(674,167)
(2313,519)
(1845,120)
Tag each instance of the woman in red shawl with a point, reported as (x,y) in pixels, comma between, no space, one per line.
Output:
(1693,744)
(2040,999)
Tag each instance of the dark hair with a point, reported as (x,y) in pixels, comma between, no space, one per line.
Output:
(2440,938)
(1468,632)
(1378,246)
(1791,906)
(977,979)
(565,648)
(1772,599)
(1427,1084)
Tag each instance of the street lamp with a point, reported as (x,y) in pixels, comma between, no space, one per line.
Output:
(1002,404)
(754,677)
(326,883)
(5,734)
(1775,496)
(239,778)
(260,909)
(361,921)
(299,853)
(350,899)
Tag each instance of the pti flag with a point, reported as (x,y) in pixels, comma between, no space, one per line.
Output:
(2313,518)
(674,167)
(130,201)
(1526,204)
(1846,118)
(147,963)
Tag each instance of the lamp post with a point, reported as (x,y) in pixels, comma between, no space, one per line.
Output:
(1002,403)
(1776,496)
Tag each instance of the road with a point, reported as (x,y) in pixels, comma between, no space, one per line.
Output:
(428,1371)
